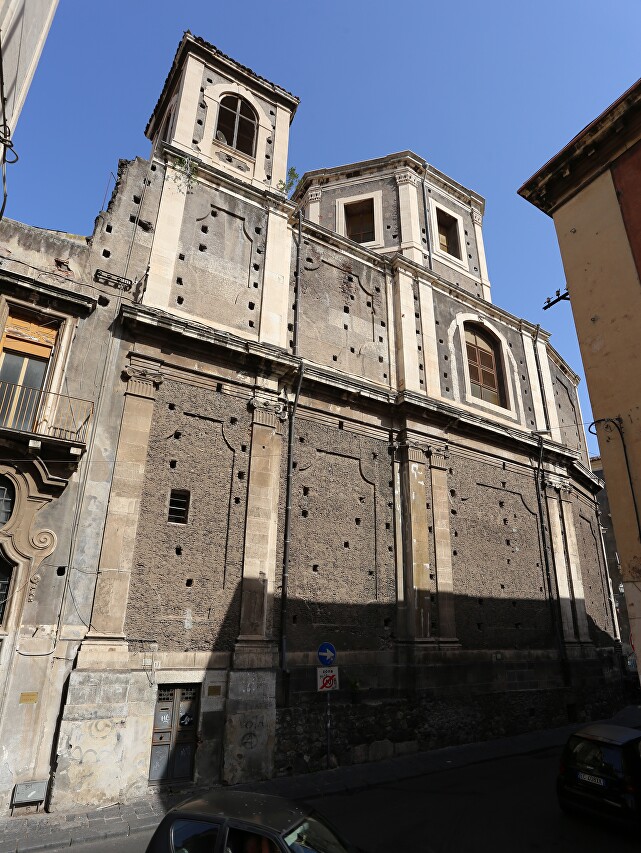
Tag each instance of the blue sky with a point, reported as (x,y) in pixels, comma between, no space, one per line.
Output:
(485,91)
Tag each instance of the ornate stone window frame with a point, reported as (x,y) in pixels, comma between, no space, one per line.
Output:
(377,198)
(24,547)
(445,257)
(59,355)
(513,409)
(213,95)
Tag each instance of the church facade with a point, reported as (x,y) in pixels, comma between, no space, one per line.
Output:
(306,423)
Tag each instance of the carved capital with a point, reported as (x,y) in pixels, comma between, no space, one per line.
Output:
(314,195)
(267,411)
(142,382)
(415,454)
(477,219)
(554,483)
(439,458)
(406,177)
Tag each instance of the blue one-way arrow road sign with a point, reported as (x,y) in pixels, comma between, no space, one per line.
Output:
(326,654)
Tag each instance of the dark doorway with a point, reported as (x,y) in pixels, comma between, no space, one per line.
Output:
(174,737)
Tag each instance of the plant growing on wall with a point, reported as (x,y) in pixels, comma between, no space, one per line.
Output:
(185,173)
(289,183)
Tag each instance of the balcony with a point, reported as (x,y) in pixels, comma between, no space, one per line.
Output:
(40,413)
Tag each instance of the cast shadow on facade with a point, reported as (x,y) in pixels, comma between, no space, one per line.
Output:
(505,673)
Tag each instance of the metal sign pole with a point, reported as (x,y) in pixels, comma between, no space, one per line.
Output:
(328,729)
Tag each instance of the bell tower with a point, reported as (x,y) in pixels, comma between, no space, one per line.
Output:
(223,114)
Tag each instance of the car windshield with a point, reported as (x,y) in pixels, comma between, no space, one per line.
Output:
(312,836)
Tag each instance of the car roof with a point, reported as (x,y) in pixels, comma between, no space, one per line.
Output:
(609,733)
(264,810)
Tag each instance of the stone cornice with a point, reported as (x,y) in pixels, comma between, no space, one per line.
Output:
(76,304)
(211,176)
(587,155)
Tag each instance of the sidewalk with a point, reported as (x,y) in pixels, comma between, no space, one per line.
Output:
(46,831)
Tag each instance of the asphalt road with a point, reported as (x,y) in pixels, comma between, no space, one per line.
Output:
(506,805)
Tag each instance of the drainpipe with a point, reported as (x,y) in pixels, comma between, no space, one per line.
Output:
(290,460)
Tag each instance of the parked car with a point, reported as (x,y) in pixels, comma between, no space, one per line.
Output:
(600,772)
(225,821)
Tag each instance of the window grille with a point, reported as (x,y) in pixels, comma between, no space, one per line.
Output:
(178,506)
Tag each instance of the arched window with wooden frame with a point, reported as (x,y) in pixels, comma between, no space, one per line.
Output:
(237,124)
(484,364)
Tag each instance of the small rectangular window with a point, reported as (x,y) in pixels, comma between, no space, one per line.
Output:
(448,237)
(359,221)
(178,506)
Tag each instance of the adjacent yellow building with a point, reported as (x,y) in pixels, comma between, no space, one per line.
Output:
(592,189)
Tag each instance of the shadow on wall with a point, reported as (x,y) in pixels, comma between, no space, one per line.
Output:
(505,676)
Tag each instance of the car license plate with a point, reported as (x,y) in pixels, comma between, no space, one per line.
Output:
(595,780)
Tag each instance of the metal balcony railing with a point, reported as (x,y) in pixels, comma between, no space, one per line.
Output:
(39,412)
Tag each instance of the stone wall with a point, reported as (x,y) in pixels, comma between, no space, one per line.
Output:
(526,694)
(497,559)
(342,570)
(185,586)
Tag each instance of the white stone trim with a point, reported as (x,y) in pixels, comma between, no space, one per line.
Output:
(538,411)
(377,197)
(430,349)
(456,342)
(445,256)
(575,572)
(213,95)
(548,392)
(477,225)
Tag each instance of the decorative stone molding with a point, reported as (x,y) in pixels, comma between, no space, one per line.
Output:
(314,195)
(558,484)
(142,382)
(267,411)
(406,177)
(415,454)
(23,546)
(439,458)
(477,218)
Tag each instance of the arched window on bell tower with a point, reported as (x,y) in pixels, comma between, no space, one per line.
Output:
(236,125)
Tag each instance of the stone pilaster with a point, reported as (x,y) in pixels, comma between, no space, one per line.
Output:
(442,544)
(408,375)
(313,205)
(250,724)
(477,220)
(415,527)
(276,292)
(574,564)
(561,563)
(164,250)
(261,528)
(116,557)
(411,245)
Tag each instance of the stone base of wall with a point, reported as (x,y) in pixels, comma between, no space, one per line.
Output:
(367,725)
